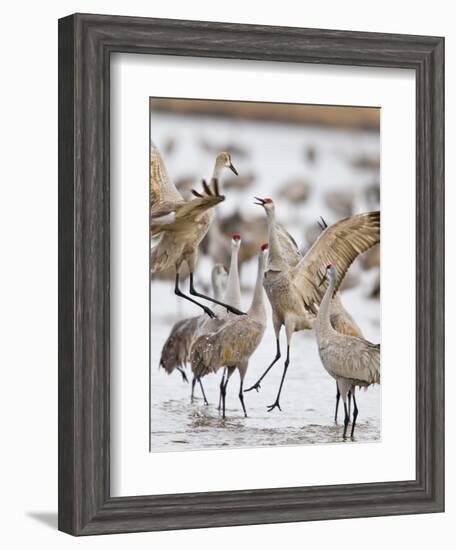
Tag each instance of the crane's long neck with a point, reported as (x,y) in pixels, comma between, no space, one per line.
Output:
(275,258)
(257,309)
(233,288)
(217,172)
(218,168)
(323,323)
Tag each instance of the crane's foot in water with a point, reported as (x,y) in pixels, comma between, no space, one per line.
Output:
(274,405)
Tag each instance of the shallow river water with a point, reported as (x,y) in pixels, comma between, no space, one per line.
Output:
(307,401)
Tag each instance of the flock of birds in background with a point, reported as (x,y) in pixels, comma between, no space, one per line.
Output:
(302,291)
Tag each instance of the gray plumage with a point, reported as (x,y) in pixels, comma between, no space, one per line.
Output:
(292,282)
(180,225)
(176,350)
(234,342)
(229,346)
(341,320)
(339,245)
(344,356)
(350,360)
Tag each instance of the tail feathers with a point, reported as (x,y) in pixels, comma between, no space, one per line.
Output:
(170,360)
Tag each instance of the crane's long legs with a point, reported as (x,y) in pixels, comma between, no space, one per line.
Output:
(222,382)
(202,391)
(285,368)
(257,386)
(224,395)
(193,389)
(179,292)
(241,397)
(337,402)
(194,380)
(355,414)
(346,420)
(194,292)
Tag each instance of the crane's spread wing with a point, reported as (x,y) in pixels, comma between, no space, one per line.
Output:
(191,210)
(167,216)
(288,246)
(162,189)
(338,245)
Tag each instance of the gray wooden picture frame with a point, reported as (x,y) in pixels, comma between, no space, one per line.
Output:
(85,45)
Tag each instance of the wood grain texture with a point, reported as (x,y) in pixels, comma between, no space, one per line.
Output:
(85,45)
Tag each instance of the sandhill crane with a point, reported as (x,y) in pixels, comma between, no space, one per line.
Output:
(341,320)
(233,292)
(231,297)
(352,361)
(344,323)
(291,282)
(181,225)
(233,344)
(176,349)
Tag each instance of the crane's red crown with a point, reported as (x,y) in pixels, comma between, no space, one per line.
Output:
(267,200)
(236,236)
(329,266)
(264,246)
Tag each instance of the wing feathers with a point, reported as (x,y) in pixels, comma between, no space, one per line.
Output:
(234,343)
(162,189)
(339,245)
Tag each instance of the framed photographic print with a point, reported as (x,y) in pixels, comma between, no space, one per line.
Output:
(251,287)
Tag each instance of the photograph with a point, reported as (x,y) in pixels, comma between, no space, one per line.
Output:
(224,282)
(264,274)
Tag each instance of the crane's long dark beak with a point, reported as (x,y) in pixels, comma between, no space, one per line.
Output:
(233,169)
(260,201)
